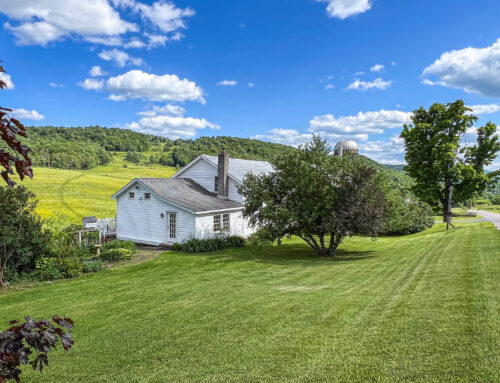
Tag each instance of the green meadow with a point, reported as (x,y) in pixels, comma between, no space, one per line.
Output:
(419,308)
(79,193)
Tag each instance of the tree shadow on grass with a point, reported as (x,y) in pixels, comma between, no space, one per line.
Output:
(286,255)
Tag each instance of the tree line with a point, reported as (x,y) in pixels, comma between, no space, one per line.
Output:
(83,147)
(88,147)
(246,148)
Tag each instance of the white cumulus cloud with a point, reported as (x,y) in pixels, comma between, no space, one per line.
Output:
(110,41)
(474,70)
(169,121)
(164,15)
(290,137)
(343,9)
(23,114)
(7,80)
(43,21)
(167,87)
(227,83)
(170,109)
(485,108)
(96,71)
(119,57)
(365,85)
(361,124)
(389,152)
(92,84)
(377,68)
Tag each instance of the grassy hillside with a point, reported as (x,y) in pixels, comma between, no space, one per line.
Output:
(420,308)
(79,193)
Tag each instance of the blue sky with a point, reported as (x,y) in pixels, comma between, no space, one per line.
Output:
(274,70)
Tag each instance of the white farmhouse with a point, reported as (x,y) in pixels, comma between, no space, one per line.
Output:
(199,201)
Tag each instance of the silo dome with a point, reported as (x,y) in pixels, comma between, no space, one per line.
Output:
(345,147)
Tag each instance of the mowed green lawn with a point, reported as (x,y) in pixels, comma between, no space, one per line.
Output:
(79,193)
(420,308)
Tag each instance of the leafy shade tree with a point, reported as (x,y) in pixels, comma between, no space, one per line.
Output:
(20,340)
(442,167)
(316,196)
(22,237)
(13,155)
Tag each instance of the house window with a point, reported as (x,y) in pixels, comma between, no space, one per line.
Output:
(147,196)
(131,195)
(216,223)
(225,221)
(216,182)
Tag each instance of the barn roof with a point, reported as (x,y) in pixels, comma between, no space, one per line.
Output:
(240,168)
(185,193)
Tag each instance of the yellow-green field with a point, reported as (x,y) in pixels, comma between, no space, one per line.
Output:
(79,193)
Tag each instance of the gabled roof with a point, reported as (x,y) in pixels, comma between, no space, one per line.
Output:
(184,193)
(238,168)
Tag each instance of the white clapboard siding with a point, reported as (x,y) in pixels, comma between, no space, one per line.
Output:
(205,225)
(140,220)
(203,173)
(233,194)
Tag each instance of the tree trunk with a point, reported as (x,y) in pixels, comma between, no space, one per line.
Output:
(335,241)
(446,202)
(449,214)
(445,210)
(4,259)
(3,265)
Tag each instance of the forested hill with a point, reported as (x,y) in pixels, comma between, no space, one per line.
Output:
(88,147)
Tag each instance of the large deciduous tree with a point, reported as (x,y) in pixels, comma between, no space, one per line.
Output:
(319,197)
(22,237)
(439,161)
(13,154)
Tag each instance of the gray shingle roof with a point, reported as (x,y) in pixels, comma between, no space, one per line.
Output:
(187,193)
(239,168)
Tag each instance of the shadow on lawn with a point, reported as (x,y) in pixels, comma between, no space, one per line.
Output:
(286,254)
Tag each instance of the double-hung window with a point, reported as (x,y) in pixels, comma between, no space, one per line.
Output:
(216,223)
(225,221)
(221,222)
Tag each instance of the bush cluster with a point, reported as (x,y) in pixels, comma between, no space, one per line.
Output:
(195,245)
(64,258)
(92,266)
(406,215)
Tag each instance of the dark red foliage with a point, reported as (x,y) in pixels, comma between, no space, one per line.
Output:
(13,155)
(19,342)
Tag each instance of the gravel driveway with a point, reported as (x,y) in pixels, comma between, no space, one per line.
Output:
(489,216)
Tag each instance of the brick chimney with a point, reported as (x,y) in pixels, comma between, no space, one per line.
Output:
(222,179)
